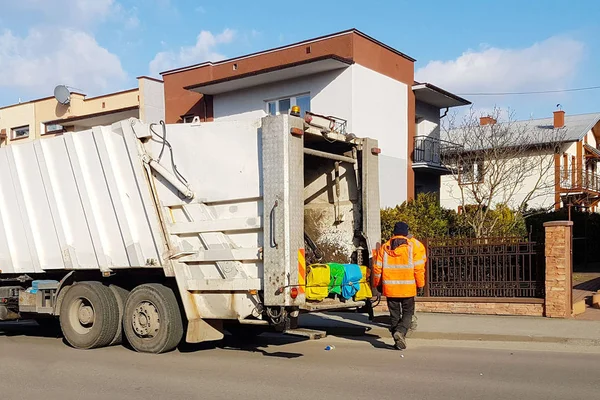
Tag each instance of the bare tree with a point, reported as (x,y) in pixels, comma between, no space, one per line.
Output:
(498,161)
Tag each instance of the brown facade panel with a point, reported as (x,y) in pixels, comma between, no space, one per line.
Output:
(179,101)
(340,46)
(383,60)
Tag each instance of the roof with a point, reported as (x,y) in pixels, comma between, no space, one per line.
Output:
(434,95)
(304,42)
(593,151)
(542,131)
(276,73)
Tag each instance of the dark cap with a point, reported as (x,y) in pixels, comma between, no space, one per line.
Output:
(401,229)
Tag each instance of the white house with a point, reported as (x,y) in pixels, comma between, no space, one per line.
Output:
(347,75)
(561,154)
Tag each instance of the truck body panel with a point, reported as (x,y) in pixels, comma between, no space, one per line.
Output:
(234,211)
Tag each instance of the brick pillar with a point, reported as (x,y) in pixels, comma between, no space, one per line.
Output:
(559,269)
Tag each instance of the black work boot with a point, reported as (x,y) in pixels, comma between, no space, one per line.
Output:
(399,341)
(413,323)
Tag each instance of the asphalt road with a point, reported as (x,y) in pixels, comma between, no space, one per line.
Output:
(35,367)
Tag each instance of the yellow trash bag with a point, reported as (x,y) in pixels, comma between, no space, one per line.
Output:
(364,291)
(317,282)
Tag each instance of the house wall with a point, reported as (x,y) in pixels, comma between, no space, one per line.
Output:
(368,100)
(450,193)
(49,109)
(152,100)
(330,92)
(591,139)
(15,117)
(428,117)
(378,103)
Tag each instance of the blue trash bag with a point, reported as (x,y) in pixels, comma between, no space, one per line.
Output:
(351,282)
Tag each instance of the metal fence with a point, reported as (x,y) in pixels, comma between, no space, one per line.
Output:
(485,267)
(431,150)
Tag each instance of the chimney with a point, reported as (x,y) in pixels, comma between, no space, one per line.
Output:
(487,121)
(559,119)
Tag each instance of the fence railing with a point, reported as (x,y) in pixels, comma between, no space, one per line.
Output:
(431,150)
(485,267)
(578,179)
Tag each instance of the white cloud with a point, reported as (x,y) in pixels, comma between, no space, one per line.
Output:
(205,49)
(49,56)
(70,12)
(550,64)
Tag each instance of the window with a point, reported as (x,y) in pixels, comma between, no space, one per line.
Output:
(471,172)
(54,128)
(187,119)
(21,132)
(284,105)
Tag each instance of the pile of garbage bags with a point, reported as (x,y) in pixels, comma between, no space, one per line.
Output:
(348,281)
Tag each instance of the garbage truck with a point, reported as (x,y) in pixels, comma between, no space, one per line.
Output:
(158,233)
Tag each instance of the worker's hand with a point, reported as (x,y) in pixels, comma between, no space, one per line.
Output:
(420,291)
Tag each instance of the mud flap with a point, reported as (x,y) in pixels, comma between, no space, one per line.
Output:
(199,330)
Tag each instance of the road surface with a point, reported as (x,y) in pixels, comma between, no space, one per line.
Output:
(35,367)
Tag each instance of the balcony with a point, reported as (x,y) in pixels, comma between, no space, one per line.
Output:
(429,153)
(577,180)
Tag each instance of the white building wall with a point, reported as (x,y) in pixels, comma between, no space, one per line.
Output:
(373,104)
(330,94)
(380,105)
(428,120)
(451,196)
(591,139)
(152,101)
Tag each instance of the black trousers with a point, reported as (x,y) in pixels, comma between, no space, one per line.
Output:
(401,313)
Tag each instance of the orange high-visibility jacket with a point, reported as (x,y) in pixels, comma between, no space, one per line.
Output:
(400,270)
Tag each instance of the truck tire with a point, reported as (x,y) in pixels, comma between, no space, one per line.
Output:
(89,315)
(152,322)
(121,297)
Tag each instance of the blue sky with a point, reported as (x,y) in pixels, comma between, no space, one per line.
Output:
(464,46)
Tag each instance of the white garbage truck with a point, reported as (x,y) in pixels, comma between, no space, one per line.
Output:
(153,233)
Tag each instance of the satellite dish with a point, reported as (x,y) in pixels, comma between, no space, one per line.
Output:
(62,94)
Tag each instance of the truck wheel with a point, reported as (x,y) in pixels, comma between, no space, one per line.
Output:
(121,297)
(152,322)
(89,315)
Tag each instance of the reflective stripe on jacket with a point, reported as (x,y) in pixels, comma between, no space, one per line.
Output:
(402,269)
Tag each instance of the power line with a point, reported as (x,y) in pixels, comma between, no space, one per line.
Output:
(533,92)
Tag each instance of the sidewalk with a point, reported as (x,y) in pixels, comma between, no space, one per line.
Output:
(463,327)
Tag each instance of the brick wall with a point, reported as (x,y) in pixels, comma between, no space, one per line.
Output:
(558,269)
(558,285)
(480,307)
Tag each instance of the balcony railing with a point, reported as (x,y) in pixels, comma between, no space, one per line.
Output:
(578,180)
(430,150)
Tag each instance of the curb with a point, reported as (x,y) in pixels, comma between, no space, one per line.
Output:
(357,331)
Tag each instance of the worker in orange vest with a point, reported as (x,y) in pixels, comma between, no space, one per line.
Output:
(399,266)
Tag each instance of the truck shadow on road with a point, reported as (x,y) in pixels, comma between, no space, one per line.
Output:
(28,328)
(259,345)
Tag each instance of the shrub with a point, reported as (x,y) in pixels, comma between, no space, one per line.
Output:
(425,217)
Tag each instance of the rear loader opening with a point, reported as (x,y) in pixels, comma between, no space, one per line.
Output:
(335,245)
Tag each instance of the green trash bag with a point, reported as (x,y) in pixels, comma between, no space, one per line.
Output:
(337,276)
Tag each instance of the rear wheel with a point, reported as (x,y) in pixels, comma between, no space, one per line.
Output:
(152,321)
(121,297)
(89,316)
